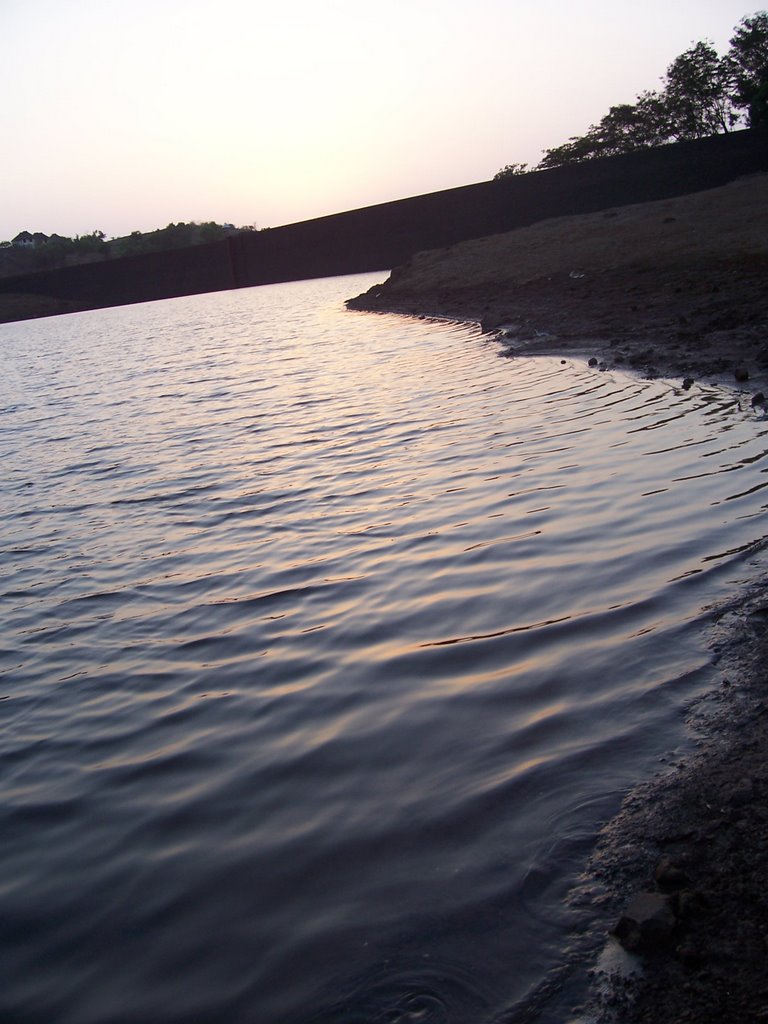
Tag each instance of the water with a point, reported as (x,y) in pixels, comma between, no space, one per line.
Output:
(328,640)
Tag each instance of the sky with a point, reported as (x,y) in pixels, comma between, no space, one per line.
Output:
(125,117)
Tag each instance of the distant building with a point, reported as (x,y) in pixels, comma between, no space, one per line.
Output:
(26,240)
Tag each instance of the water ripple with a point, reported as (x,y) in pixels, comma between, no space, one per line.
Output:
(328,640)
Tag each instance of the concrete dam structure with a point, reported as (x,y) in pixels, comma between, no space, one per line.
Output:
(383,236)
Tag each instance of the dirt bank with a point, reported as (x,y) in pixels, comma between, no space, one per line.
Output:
(698,836)
(671,288)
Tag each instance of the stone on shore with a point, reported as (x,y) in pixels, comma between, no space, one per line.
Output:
(646,926)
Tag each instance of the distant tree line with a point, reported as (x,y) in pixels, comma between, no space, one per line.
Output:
(703,94)
(29,252)
(174,236)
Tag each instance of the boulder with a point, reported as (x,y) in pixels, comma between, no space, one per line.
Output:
(669,876)
(646,926)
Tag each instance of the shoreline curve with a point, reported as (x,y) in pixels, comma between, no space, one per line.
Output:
(673,288)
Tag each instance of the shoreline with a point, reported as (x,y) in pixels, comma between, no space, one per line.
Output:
(672,289)
(697,835)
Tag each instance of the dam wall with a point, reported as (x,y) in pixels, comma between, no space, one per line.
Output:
(383,236)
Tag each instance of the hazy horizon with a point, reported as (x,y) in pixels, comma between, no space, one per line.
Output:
(123,119)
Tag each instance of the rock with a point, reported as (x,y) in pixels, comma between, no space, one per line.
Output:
(688,383)
(758,399)
(647,924)
(669,876)
(689,955)
(643,356)
(593,361)
(741,373)
(742,794)
(690,903)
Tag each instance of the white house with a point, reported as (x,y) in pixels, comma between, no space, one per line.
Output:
(25,240)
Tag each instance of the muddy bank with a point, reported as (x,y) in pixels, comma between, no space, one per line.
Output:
(673,288)
(697,837)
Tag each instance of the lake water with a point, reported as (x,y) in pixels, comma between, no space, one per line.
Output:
(328,641)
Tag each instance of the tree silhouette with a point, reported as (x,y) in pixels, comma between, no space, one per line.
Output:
(748,67)
(703,94)
(697,99)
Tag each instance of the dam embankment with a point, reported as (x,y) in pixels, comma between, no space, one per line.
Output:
(382,236)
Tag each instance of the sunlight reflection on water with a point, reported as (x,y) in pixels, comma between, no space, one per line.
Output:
(328,640)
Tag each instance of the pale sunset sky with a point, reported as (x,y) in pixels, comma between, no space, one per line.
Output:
(123,116)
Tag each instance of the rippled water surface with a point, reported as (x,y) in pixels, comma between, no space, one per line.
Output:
(328,639)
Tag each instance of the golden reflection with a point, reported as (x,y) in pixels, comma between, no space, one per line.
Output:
(498,633)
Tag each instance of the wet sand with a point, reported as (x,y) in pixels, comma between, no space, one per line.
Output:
(679,289)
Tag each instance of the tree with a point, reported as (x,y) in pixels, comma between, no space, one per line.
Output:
(624,128)
(576,149)
(92,244)
(747,63)
(630,126)
(510,171)
(696,96)
(703,94)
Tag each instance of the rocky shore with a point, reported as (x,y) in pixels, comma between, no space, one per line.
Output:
(678,289)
